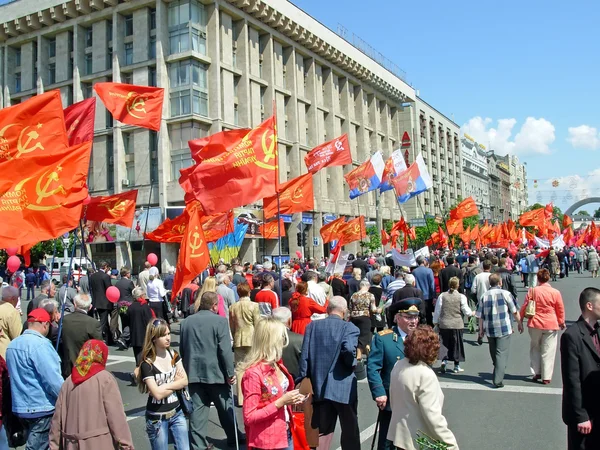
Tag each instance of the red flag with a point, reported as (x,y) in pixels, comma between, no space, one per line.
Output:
(131,104)
(400,225)
(118,209)
(330,232)
(271,230)
(194,256)
(244,173)
(41,195)
(475,233)
(79,120)
(32,128)
(333,153)
(216,144)
(549,210)
(171,230)
(294,196)
(534,218)
(466,208)
(466,236)
(412,233)
(454,226)
(385,237)
(217,225)
(567,221)
(353,230)
(568,234)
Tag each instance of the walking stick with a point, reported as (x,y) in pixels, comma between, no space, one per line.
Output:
(376,429)
(235,429)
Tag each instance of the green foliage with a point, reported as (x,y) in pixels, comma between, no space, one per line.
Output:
(557,213)
(374,242)
(597,213)
(424,233)
(583,212)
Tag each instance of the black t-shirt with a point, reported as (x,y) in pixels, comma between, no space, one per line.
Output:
(151,371)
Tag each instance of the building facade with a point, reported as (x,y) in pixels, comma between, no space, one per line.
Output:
(223,64)
(475,175)
(494,188)
(504,171)
(518,187)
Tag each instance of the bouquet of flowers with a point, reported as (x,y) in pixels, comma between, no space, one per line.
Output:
(472,324)
(425,442)
(123,305)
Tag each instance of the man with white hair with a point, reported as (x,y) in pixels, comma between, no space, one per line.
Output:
(78,328)
(224,291)
(52,308)
(328,359)
(10,319)
(291,353)
(47,290)
(168,281)
(408,291)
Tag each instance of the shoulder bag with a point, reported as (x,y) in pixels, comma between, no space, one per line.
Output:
(183,395)
(530,309)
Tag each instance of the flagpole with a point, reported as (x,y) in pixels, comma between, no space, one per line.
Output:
(360,222)
(52,263)
(145,224)
(424,216)
(277,193)
(279,238)
(62,312)
(443,216)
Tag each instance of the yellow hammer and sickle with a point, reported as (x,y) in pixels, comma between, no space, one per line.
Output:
(119,206)
(269,151)
(72,127)
(195,245)
(43,192)
(357,228)
(23,148)
(297,196)
(136,105)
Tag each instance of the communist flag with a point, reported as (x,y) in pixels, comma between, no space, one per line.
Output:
(412,233)
(217,225)
(333,153)
(385,237)
(79,120)
(454,226)
(41,195)
(219,143)
(400,225)
(194,256)
(466,208)
(32,128)
(475,233)
(270,230)
(549,210)
(353,230)
(330,232)
(294,196)
(567,221)
(118,209)
(568,235)
(131,104)
(465,236)
(171,230)
(245,172)
(534,218)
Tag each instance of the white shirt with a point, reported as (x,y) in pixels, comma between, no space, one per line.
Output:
(481,284)
(155,290)
(317,293)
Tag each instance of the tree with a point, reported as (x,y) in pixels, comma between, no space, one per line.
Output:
(583,212)
(597,213)
(557,213)
(374,242)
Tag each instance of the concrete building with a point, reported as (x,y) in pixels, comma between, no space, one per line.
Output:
(518,187)
(475,178)
(494,187)
(224,64)
(436,137)
(504,171)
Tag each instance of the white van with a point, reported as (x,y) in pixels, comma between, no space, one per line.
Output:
(61,268)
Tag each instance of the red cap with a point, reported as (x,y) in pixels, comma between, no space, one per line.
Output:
(38,315)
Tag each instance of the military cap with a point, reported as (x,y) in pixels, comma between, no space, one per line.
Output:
(406,305)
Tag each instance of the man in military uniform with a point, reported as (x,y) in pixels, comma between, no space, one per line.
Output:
(387,347)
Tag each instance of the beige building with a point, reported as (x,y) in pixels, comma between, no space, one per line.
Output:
(224,64)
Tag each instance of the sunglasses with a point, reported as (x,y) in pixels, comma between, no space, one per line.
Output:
(158,322)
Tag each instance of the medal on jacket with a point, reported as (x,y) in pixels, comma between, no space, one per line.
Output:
(395,337)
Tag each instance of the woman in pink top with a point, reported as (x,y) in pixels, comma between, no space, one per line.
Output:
(543,326)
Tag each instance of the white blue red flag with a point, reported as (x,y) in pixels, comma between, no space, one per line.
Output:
(365,177)
(412,181)
(394,165)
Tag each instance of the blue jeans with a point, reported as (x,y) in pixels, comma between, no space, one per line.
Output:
(3,439)
(38,431)
(158,432)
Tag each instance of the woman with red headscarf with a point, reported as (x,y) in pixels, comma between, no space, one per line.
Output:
(77,426)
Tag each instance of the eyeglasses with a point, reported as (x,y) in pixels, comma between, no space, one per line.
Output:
(409,318)
(158,322)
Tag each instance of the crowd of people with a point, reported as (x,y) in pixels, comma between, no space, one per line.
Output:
(280,341)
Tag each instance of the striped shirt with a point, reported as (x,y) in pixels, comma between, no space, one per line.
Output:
(495,309)
(398,283)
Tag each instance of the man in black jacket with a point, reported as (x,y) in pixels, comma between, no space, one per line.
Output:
(99,283)
(580,367)
(408,291)
(448,272)
(507,281)
(291,353)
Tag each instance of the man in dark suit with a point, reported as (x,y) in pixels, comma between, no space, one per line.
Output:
(291,353)
(99,283)
(328,359)
(507,281)
(361,264)
(448,272)
(408,291)
(580,367)
(78,328)
(125,287)
(205,347)
(424,279)
(47,290)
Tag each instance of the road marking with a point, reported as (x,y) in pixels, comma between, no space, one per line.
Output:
(114,359)
(136,415)
(506,388)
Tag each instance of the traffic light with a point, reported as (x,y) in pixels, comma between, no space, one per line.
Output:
(302,238)
(299,240)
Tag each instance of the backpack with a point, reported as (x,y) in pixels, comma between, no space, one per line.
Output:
(469,277)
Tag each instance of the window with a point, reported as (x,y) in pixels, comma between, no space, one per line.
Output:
(188,74)
(70,71)
(109,58)
(109,31)
(200,105)
(51,47)
(184,73)
(110,165)
(88,68)
(35,66)
(178,162)
(236,114)
(180,103)
(152,76)
(179,135)
(198,41)
(179,41)
(51,73)
(130,170)
(152,18)
(128,143)
(18,57)
(127,78)
(87,90)
(129,25)
(153,157)
(89,41)
(109,119)
(187,21)
(18,82)
(129,53)
(152,47)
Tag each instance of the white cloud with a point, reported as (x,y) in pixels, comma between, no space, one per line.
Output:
(534,136)
(585,137)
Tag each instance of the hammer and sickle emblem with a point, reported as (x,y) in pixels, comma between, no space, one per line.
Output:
(31,136)
(179,229)
(357,228)
(196,244)
(297,195)
(136,106)
(43,191)
(269,150)
(72,127)
(118,207)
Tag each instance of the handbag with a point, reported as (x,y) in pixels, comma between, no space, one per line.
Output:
(185,401)
(530,309)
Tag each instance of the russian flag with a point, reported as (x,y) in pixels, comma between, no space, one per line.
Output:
(366,177)
(393,166)
(412,181)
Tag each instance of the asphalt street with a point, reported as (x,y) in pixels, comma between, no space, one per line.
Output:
(523,415)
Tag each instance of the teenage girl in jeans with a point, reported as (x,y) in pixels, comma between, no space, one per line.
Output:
(161,374)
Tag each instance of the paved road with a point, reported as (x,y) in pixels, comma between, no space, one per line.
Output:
(523,415)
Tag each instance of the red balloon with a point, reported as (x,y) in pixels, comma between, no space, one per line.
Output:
(113,294)
(87,200)
(298,253)
(12,251)
(152,259)
(13,263)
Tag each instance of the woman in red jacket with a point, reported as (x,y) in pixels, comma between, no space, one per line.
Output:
(303,308)
(268,389)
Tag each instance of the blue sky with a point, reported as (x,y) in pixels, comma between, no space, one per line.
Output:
(518,75)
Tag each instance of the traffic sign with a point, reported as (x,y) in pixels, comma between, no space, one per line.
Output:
(316,241)
(301,227)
